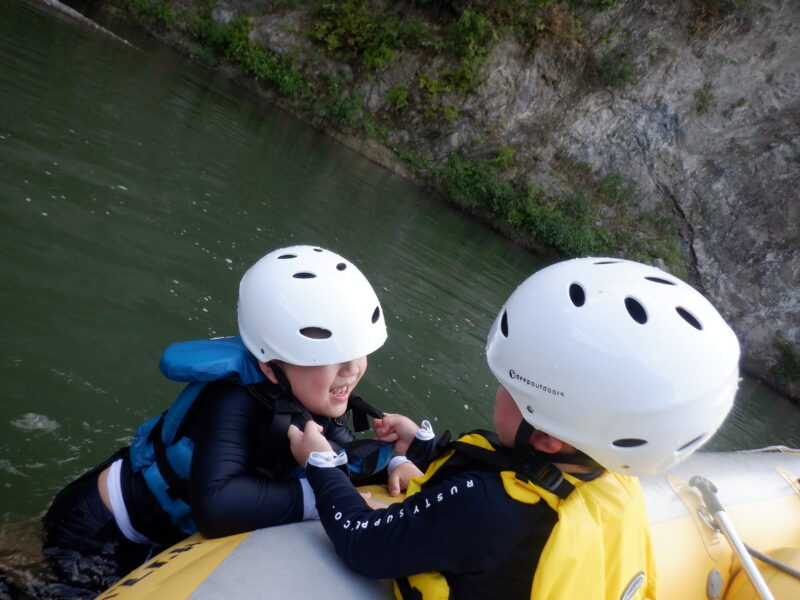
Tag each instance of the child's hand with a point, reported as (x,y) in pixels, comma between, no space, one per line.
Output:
(372,502)
(395,428)
(303,443)
(400,476)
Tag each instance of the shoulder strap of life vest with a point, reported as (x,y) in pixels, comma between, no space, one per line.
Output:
(168,429)
(533,467)
(365,457)
(361,410)
(177,487)
(284,410)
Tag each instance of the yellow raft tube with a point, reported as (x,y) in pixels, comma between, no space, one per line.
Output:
(760,491)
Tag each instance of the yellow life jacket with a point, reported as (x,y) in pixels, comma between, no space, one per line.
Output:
(598,550)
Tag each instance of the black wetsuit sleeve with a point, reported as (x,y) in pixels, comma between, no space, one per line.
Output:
(423,452)
(228,494)
(425,532)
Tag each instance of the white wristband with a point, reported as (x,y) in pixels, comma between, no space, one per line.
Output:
(425,432)
(327,458)
(395,462)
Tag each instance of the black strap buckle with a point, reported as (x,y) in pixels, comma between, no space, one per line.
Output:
(549,477)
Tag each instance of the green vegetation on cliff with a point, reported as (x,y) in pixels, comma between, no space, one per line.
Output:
(583,213)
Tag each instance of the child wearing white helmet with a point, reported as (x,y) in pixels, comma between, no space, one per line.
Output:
(218,460)
(608,369)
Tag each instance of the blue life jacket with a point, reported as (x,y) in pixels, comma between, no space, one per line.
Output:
(163,454)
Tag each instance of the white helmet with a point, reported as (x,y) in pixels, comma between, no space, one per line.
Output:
(308,306)
(625,362)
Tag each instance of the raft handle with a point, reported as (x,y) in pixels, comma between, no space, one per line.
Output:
(709,493)
(706,518)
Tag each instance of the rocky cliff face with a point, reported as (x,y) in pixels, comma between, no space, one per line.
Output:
(711,128)
(708,129)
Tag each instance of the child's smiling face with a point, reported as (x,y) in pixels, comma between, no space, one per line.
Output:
(324,389)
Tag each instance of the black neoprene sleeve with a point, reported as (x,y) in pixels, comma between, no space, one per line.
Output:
(228,494)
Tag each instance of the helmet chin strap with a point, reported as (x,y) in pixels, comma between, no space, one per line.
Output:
(522,443)
(286,388)
(280,376)
(522,440)
(356,406)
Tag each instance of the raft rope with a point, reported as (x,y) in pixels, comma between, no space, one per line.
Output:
(765,558)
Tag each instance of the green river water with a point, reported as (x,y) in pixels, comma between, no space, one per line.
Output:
(137,187)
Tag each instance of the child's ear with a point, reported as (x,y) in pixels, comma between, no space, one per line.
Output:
(546,443)
(266,369)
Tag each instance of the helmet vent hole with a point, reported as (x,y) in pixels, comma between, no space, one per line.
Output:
(689,317)
(577,295)
(606,262)
(636,310)
(304,275)
(629,443)
(376,314)
(529,408)
(285,256)
(316,333)
(690,444)
(317,249)
(341,267)
(660,280)
(504,324)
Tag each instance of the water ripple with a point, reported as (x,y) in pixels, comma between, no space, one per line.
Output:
(33,422)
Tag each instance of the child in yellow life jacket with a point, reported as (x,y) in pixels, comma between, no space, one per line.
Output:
(608,369)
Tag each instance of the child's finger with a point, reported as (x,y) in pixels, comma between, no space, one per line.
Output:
(394,484)
(294,434)
(311,427)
